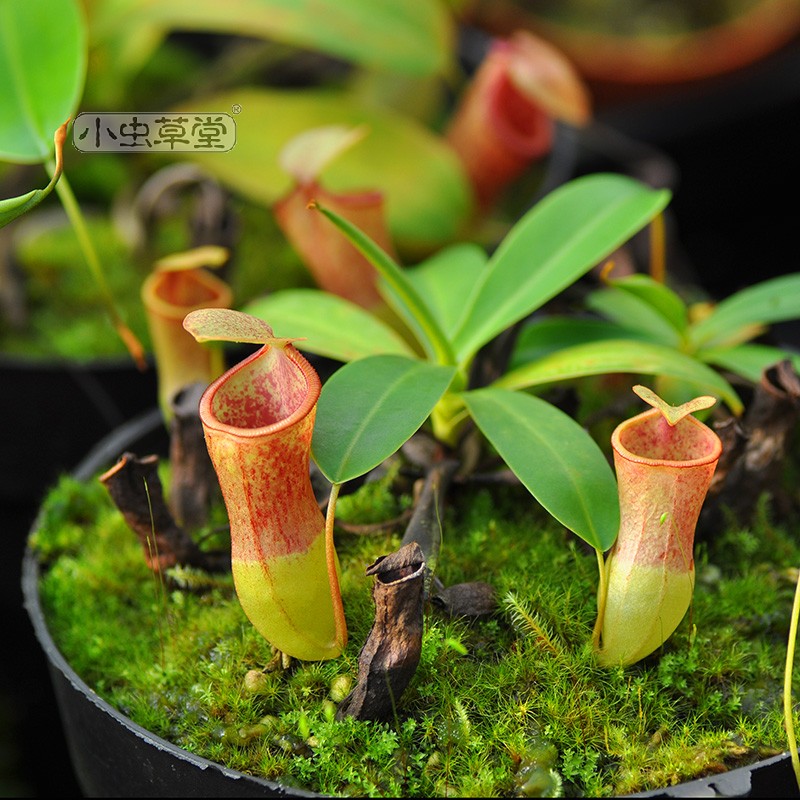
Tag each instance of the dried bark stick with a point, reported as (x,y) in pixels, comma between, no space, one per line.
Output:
(194,484)
(424,527)
(135,488)
(754,450)
(390,656)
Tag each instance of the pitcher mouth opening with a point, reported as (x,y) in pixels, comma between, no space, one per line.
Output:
(255,398)
(649,439)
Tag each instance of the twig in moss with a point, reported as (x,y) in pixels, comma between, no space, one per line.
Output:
(194,483)
(390,656)
(135,488)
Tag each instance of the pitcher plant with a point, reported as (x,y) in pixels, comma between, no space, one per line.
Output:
(179,284)
(258,419)
(664,459)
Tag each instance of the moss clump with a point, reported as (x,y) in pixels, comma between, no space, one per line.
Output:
(513,705)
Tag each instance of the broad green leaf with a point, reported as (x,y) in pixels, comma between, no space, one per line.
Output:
(428,197)
(445,280)
(560,239)
(327,325)
(659,297)
(410,37)
(545,335)
(369,408)
(773,300)
(42,70)
(554,457)
(748,360)
(621,355)
(633,312)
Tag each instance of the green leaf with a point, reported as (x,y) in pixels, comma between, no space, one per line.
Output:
(369,408)
(633,313)
(413,38)
(560,239)
(42,70)
(327,325)
(659,297)
(543,336)
(772,300)
(554,457)
(445,280)
(621,355)
(428,197)
(748,360)
(643,312)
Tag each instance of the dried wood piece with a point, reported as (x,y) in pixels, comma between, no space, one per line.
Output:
(475,599)
(424,527)
(755,448)
(135,488)
(194,485)
(390,656)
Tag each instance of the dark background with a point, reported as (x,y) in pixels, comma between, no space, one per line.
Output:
(732,148)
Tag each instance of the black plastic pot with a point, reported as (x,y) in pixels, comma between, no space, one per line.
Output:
(56,411)
(112,756)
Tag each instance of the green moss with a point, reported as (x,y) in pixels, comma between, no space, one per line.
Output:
(511,705)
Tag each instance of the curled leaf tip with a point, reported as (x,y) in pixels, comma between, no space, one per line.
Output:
(209,255)
(674,414)
(133,345)
(59,137)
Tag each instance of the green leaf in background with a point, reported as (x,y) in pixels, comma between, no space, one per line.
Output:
(560,239)
(634,313)
(733,319)
(554,457)
(640,303)
(428,197)
(327,325)
(540,337)
(42,70)
(415,37)
(369,408)
(621,355)
(661,298)
(748,360)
